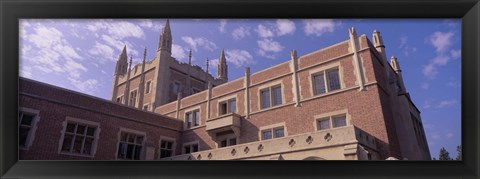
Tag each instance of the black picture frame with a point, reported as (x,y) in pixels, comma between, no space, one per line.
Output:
(11,11)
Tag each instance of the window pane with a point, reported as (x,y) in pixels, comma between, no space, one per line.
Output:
(129,151)
(266,135)
(131,138)
(139,139)
(169,145)
(187,149)
(279,132)
(81,129)
(223,108)
(27,119)
(233,106)
(90,131)
(77,145)
(319,84)
(163,144)
(333,80)
(189,120)
(122,150)
(87,147)
(22,135)
(124,137)
(277,95)
(197,118)
(67,142)
(265,98)
(195,148)
(324,124)
(339,121)
(147,88)
(233,141)
(138,150)
(223,143)
(176,87)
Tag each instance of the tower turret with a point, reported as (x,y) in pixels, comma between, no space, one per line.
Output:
(378,43)
(122,63)
(165,41)
(396,67)
(222,70)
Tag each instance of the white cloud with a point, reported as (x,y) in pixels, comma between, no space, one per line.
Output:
(447,103)
(117,29)
(456,54)
(405,47)
(318,27)
(199,42)
(150,24)
(240,33)
(426,104)
(285,26)
(430,71)
(263,31)
(449,135)
(440,60)
(269,45)
(239,57)
(119,44)
(26,71)
(104,51)
(179,53)
(88,86)
(441,41)
(223,23)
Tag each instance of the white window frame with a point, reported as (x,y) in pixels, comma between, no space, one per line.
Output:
(84,122)
(136,98)
(193,119)
(326,81)
(33,127)
(119,135)
(148,86)
(271,96)
(330,116)
(228,109)
(121,99)
(226,137)
(147,105)
(272,128)
(170,139)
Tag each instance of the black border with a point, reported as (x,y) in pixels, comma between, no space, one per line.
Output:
(468,10)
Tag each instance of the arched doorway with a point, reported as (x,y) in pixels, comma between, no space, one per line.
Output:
(314,158)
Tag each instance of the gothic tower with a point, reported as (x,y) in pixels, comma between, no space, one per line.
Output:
(120,69)
(222,70)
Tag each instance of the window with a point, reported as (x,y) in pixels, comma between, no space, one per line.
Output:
(190,148)
(195,90)
(145,107)
(133,98)
(227,107)
(147,87)
(331,121)
(26,122)
(166,148)
(120,99)
(176,87)
(78,138)
(130,146)
(271,95)
(228,142)
(273,133)
(325,81)
(192,118)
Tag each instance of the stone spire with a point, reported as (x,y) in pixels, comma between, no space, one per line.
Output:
(165,42)
(395,65)
(222,70)
(122,63)
(190,57)
(378,43)
(206,67)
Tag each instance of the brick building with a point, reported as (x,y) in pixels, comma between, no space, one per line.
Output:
(343,102)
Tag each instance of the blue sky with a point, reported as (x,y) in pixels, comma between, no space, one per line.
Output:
(80,54)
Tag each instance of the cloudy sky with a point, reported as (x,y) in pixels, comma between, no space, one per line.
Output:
(80,54)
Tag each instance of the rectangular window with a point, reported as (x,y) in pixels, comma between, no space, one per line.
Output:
(176,87)
(319,83)
(326,81)
(273,133)
(265,98)
(266,134)
(333,80)
(130,146)
(227,107)
(133,98)
(277,95)
(147,87)
(166,148)
(228,142)
(192,118)
(271,96)
(190,148)
(120,99)
(331,122)
(145,107)
(25,125)
(324,124)
(78,138)
(339,121)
